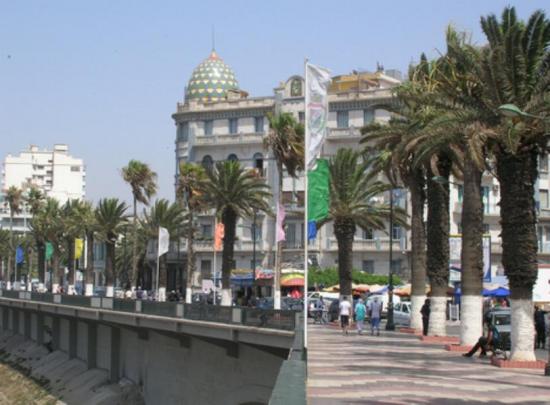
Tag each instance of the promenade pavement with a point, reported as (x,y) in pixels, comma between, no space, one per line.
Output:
(396,368)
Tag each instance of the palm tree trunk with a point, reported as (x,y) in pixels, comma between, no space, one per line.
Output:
(57,278)
(279,251)
(418,247)
(191,265)
(344,230)
(134,277)
(438,247)
(229,219)
(517,175)
(163,273)
(70,264)
(109,267)
(12,253)
(471,310)
(41,259)
(89,277)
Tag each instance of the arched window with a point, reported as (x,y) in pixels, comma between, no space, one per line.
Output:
(232,157)
(258,162)
(207,162)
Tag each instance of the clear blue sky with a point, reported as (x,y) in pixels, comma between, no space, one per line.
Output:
(105,76)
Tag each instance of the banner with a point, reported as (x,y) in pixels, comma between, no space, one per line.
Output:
(455,249)
(219,233)
(317,196)
(49,250)
(281,237)
(78,248)
(19,255)
(317,83)
(164,241)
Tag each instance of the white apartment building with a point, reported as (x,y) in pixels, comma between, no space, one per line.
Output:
(218,121)
(55,172)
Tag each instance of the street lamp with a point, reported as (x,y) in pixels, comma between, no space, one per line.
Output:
(513,111)
(389,322)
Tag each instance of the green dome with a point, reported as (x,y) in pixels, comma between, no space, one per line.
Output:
(211,80)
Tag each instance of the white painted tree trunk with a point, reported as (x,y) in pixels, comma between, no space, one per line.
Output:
(55,287)
(188,295)
(471,319)
(162,294)
(523,330)
(89,290)
(277,299)
(71,289)
(16,285)
(438,316)
(110,291)
(226,297)
(416,317)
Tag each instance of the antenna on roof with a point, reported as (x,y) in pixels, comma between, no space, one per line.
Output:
(213,39)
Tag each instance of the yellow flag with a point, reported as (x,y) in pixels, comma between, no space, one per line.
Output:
(78,248)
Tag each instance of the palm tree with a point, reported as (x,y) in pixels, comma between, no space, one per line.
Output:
(73,230)
(48,222)
(110,218)
(35,200)
(398,164)
(234,192)
(14,198)
(84,224)
(515,69)
(353,194)
(167,215)
(142,180)
(191,177)
(5,247)
(286,141)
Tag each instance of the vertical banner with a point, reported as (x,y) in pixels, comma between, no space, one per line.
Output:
(281,237)
(317,84)
(164,241)
(78,248)
(219,233)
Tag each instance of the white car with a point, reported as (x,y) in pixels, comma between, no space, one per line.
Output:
(402,313)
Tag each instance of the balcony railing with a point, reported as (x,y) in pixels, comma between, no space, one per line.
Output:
(229,139)
(271,319)
(369,244)
(342,133)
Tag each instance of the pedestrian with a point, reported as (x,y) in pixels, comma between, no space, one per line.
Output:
(375,310)
(360,313)
(345,312)
(540,328)
(486,343)
(425,311)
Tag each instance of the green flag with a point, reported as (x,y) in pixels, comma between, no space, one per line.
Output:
(318,192)
(49,250)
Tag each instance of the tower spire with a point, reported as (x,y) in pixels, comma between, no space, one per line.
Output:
(213,39)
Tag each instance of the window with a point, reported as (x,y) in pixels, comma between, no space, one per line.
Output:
(368,234)
(368,266)
(183,132)
(206,230)
(486,199)
(208,127)
(207,162)
(75,168)
(342,119)
(290,233)
(302,117)
(543,163)
(258,231)
(368,116)
(460,193)
(259,162)
(396,232)
(259,125)
(232,157)
(396,266)
(485,228)
(233,125)
(206,268)
(543,196)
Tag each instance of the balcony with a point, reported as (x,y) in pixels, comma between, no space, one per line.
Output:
(370,245)
(351,133)
(229,139)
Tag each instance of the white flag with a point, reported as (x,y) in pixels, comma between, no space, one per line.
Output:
(317,84)
(164,241)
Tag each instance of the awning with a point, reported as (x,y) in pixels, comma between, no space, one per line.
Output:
(292,280)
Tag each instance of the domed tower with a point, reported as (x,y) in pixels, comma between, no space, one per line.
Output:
(212,80)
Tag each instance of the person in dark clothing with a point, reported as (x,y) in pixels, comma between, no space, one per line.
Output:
(425,311)
(485,342)
(540,327)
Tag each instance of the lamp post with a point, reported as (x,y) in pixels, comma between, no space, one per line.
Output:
(513,111)
(389,322)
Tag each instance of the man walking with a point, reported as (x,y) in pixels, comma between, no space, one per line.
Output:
(345,313)
(375,310)
(425,311)
(360,313)
(540,327)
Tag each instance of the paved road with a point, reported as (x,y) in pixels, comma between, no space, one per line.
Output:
(397,368)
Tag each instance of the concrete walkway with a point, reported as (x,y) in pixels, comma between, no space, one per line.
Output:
(396,368)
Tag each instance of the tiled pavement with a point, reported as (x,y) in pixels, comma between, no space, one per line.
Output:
(396,368)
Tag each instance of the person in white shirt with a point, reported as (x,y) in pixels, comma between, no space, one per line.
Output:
(375,310)
(345,313)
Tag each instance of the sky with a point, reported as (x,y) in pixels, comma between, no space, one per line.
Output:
(104,76)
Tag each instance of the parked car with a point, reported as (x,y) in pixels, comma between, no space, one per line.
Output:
(501,318)
(402,313)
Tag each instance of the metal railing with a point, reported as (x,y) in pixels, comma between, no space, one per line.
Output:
(269,318)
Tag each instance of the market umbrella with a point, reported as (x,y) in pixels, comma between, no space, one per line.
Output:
(500,292)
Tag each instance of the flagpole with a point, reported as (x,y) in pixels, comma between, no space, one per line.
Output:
(306,238)
(158,271)
(214,264)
